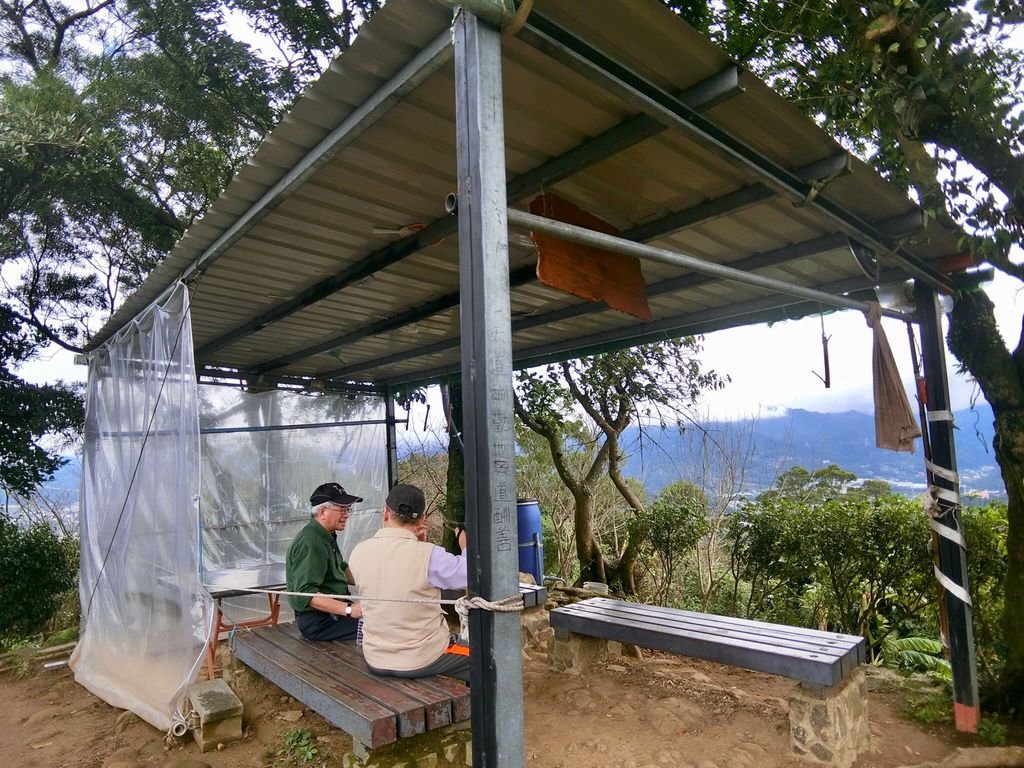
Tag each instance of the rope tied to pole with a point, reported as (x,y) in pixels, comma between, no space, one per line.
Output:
(463,605)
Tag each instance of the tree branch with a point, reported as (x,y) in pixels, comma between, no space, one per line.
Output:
(62,27)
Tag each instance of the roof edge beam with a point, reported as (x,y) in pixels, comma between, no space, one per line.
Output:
(704,321)
(528,221)
(703,95)
(244,378)
(648,98)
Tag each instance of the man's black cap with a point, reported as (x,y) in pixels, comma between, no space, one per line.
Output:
(407,501)
(334,493)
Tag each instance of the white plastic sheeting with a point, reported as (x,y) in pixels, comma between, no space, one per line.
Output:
(145,617)
(262,456)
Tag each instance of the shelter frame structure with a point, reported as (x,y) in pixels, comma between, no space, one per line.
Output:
(773,212)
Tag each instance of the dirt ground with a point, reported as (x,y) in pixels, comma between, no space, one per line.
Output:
(656,711)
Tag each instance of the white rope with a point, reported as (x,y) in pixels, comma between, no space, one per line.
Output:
(940,416)
(505,604)
(463,605)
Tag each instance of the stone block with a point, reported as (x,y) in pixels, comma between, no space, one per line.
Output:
(575,654)
(537,630)
(218,711)
(830,725)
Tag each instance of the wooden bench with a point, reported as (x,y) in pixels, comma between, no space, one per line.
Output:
(808,655)
(828,711)
(332,679)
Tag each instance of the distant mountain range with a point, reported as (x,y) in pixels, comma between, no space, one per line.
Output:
(811,440)
(770,445)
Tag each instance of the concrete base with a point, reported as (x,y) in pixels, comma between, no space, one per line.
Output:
(450,747)
(830,725)
(219,712)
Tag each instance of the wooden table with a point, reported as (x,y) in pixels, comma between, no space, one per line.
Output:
(236,582)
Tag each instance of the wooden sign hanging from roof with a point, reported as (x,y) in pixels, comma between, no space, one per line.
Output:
(582,270)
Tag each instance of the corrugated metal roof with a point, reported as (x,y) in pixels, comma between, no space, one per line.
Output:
(317,287)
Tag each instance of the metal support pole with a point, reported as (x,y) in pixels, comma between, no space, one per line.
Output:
(495,646)
(942,477)
(391,436)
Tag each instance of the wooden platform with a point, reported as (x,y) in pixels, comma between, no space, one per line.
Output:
(332,679)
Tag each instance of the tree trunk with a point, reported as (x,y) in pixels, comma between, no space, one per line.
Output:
(454,510)
(975,340)
(587,550)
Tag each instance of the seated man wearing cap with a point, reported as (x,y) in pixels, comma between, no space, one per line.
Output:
(409,639)
(314,564)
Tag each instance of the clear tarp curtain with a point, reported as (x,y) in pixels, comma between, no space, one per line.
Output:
(262,456)
(145,616)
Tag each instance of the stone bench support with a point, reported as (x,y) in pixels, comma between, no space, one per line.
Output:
(827,725)
(830,725)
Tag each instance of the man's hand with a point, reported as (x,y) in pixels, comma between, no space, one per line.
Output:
(357,611)
(460,536)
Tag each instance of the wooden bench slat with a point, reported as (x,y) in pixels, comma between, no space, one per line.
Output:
(781,629)
(437,705)
(533,595)
(709,626)
(408,710)
(367,722)
(631,623)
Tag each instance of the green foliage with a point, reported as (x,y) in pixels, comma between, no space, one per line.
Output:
(798,484)
(36,569)
(992,732)
(298,745)
(848,563)
(673,525)
(654,381)
(28,412)
(929,707)
(985,530)
(121,122)
(921,654)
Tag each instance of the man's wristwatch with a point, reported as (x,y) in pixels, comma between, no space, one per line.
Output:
(348,610)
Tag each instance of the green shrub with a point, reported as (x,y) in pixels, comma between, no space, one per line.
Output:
(992,732)
(36,571)
(848,563)
(985,531)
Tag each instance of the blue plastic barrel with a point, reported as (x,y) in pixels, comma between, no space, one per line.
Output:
(531,547)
